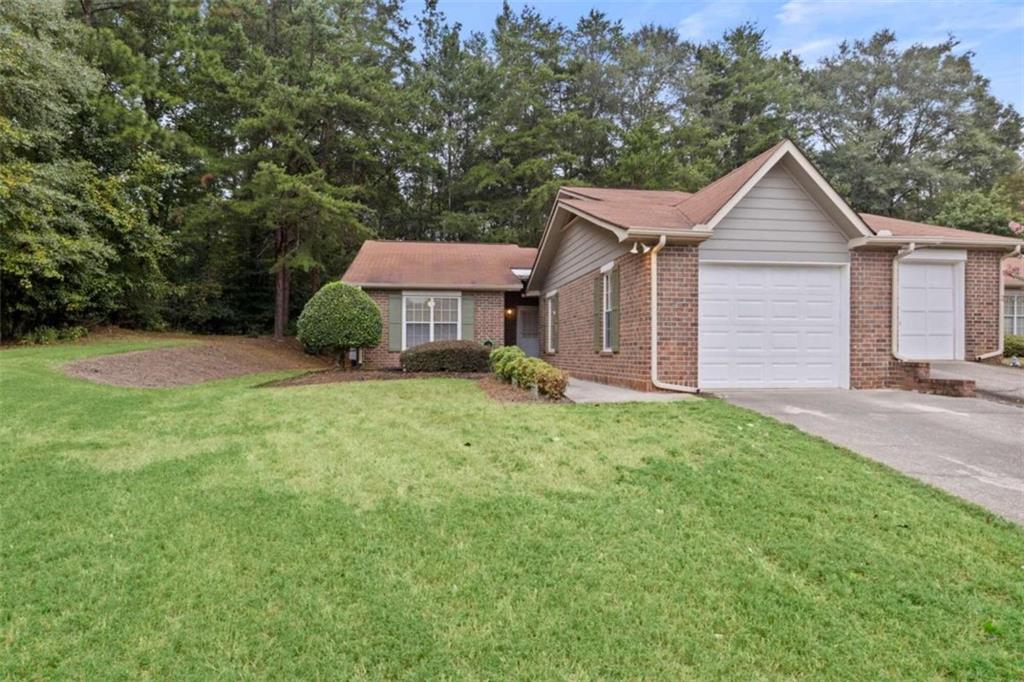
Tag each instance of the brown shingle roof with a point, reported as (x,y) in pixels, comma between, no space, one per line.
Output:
(679,211)
(703,205)
(396,264)
(909,228)
(662,209)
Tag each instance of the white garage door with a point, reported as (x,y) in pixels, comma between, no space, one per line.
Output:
(773,326)
(930,304)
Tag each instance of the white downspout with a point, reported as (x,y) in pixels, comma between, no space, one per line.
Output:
(900,255)
(1002,313)
(654,326)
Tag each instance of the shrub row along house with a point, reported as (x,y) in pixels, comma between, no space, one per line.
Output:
(765,278)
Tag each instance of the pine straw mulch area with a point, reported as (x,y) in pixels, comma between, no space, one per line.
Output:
(494,388)
(214,357)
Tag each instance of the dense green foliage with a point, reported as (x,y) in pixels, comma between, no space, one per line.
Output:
(446,356)
(502,359)
(510,363)
(208,164)
(1014,345)
(418,530)
(337,318)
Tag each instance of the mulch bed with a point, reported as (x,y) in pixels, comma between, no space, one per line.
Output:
(217,357)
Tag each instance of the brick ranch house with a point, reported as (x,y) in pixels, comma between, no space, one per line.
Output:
(765,278)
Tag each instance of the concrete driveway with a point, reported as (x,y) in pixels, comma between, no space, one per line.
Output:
(970,447)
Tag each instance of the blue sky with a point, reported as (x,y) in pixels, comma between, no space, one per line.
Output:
(994,31)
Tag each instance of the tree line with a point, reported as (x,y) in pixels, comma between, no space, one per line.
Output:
(198,163)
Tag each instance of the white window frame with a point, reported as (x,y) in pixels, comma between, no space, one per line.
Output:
(549,346)
(606,312)
(429,295)
(1013,311)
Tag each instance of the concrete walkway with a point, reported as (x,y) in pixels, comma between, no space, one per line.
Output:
(992,381)
(967,446)
(580,391)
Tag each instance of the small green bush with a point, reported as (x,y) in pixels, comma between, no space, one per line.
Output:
(525,371)
(501,359)
(552,381)
(446,356)
(46,335)
(337,318)
(1014,345)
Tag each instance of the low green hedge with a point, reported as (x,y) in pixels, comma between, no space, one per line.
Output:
(446,356)
(1014,345)
(511,364)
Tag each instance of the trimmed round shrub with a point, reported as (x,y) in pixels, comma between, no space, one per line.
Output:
(1014,345)
(337,318)
(446,356)
(525,371)
(552,381)
(501,359)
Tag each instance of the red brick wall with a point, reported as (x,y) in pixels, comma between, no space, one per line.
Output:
(489,324)
(677,315)
(870,318)
(677,322)
(871,362)
(631,365)
(981,298)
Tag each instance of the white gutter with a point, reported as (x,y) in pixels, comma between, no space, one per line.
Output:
(1002,312)
(654,326)
(903,253)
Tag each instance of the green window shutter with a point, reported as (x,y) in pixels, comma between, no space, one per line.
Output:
(598,292)
(468,318)
(395,322)
(553,302)
(615,310)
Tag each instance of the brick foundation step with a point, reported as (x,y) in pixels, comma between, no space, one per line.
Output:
(916,376)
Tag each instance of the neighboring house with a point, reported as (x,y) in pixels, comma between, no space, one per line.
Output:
(765,278)
(430,291)
(1013,295)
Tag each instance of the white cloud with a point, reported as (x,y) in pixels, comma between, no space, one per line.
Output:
(815,48)
(794,12)
(712,19)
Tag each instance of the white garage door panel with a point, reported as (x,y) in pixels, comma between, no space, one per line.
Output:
(771,326)
(929,298)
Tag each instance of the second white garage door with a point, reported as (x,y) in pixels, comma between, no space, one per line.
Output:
(773,326)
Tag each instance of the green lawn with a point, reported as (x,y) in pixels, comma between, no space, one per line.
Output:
(415,529)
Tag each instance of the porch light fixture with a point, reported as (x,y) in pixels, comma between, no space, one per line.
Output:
(634,250)
(509,312)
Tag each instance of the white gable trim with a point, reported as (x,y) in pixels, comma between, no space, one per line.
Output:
(792,151)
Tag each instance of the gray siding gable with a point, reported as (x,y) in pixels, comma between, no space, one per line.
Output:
(776,221)
(585,247)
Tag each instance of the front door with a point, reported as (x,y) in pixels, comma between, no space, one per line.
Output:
(527,336)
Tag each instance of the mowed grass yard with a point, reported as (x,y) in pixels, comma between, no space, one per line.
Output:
(417,529)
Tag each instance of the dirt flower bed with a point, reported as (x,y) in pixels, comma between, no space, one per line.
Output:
(507,393)
(215,357)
